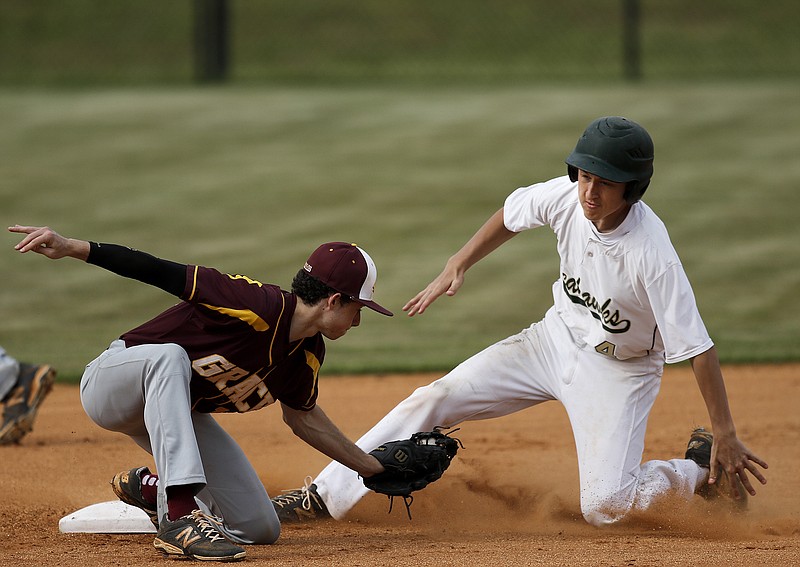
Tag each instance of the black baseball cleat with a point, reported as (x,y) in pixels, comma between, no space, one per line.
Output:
(196,536)
(22,402)
(300,505)
(699,448)
(699,451)
(127,485)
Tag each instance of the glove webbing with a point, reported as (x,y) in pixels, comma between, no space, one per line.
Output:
(407,500)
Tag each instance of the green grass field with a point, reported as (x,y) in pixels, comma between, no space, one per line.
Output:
(150,42)
(251,180)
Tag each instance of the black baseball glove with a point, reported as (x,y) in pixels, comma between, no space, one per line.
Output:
(412,464)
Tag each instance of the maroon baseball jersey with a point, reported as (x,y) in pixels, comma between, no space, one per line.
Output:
(236,333)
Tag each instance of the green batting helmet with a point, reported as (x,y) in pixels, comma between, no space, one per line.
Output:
(616,149)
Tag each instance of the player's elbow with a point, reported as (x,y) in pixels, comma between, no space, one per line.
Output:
(291,417)
(298,421)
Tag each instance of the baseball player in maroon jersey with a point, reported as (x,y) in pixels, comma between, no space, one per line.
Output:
(232,344)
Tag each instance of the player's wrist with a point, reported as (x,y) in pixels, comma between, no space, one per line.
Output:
(372,467)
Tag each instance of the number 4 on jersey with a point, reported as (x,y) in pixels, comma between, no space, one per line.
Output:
(606,348)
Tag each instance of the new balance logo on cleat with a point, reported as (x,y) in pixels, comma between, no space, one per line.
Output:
(188,536)
(196,536)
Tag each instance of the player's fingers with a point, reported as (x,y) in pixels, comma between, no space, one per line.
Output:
(421,301)
(732,473)
(418,304)
(37,236)
(762,463)
(713,465)
(42,240)
(424,302)
(745,480)
(415,309)
(713,472)
(755,472)
(31,241)
(25,229)
(411,303)
(34,243)
(455,285)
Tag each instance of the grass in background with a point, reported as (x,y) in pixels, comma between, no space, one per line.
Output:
(251,180)
(52,42)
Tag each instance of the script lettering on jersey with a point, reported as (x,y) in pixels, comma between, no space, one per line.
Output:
(243,384)
(610,320)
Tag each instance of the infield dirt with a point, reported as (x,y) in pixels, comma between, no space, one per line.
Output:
(510,497)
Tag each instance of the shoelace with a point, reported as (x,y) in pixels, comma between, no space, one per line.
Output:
(292,496)
(207,525)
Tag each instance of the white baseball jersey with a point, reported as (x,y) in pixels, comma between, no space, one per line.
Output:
(623,292)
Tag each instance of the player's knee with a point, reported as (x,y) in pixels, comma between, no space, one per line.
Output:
(269,535)
(597,517)
(606,510)
(259,531)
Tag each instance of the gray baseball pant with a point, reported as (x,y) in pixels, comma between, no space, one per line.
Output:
(143,392)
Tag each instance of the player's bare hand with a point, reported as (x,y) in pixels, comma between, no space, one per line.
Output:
(492,234)
(47,242)
(734,458)
(448,282)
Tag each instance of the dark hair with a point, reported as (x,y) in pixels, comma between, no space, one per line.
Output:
(311,291)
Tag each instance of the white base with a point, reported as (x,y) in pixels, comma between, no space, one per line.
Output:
(114,517)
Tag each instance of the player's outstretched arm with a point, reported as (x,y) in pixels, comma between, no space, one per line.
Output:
(489,237)
(315,428)
(47,242)
(727,451)
(127,262)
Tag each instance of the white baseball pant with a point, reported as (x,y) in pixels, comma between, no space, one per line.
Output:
(607,401)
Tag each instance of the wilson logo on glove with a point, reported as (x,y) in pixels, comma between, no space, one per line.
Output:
(412,464)
(401,456)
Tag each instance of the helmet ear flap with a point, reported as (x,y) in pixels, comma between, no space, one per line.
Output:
(572,171)
(635,190)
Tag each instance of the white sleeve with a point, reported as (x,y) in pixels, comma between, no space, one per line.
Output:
(538,204)
(677,316)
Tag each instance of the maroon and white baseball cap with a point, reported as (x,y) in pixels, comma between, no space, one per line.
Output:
(347,269)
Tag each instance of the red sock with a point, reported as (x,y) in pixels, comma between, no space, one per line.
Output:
(150,488)
(180,500)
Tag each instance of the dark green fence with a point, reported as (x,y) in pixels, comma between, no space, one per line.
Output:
(49,42)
